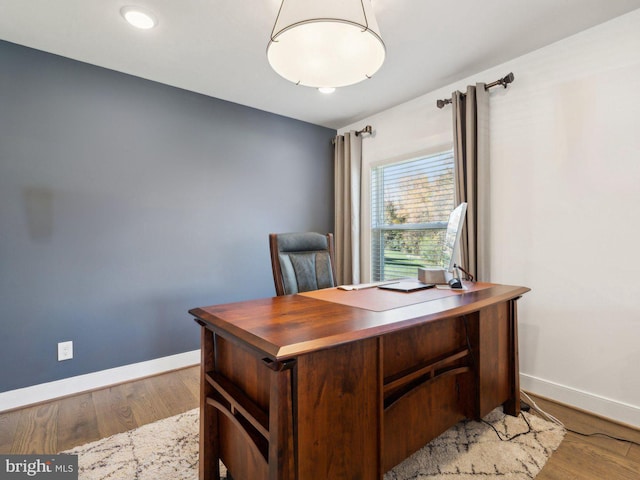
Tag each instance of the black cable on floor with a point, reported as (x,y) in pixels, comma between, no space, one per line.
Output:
(601,434)
(508,439)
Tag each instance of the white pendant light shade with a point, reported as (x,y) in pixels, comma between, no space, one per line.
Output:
(326,43)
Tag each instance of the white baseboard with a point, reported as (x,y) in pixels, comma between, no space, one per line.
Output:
(92,381)
(605,407)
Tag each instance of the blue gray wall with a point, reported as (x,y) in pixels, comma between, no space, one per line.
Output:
(124,203)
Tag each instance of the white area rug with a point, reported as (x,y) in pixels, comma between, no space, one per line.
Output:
(168,450)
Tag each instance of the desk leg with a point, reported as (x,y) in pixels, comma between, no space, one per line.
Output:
(512,405)
(209,453)
(281,435)
(494,339)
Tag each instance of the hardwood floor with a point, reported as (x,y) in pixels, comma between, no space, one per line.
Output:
(62,424)
(591,458)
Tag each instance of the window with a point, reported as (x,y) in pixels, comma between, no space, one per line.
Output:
(410,205)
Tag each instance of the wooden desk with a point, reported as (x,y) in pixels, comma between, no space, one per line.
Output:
(337,384)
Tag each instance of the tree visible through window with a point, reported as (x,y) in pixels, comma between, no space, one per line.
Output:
(410,205)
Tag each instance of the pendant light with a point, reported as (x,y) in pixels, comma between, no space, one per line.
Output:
(325,43)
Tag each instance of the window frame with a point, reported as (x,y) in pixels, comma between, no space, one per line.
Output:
(366,206)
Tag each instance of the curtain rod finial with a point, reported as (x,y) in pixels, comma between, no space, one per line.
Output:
(368,129)
(507,79)
(442,103)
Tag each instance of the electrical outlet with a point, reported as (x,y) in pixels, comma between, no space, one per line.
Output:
(65,351)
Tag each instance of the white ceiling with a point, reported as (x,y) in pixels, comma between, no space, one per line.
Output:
(218,47)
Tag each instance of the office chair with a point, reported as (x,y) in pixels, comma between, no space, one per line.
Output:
(302,262)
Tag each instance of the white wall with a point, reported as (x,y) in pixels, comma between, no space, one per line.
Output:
(565,173)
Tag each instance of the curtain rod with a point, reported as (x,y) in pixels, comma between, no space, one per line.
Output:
(367,129)
(504,81)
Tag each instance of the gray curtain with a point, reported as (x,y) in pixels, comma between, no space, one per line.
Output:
(471,152)
(348,180)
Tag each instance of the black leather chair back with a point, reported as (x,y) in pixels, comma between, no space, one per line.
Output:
(302,262)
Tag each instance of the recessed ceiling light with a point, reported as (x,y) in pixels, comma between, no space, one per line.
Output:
(139,17)
(326,90)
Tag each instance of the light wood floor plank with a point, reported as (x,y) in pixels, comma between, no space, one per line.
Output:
(634,453)
(144,403)
(174,394)
(37,430)
(113,411)
(592,463)
(77,422)
(8,425)
(557,469)
(191,378)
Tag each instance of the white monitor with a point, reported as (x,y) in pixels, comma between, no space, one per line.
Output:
(452,237)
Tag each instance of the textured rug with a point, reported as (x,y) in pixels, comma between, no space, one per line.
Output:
(499,447)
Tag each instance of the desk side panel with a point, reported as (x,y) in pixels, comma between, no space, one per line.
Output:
(244,369)
(248,373)
(339,412)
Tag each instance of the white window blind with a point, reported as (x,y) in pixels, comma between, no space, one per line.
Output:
(410,205)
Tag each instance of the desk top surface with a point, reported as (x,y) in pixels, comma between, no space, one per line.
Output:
(291,325)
